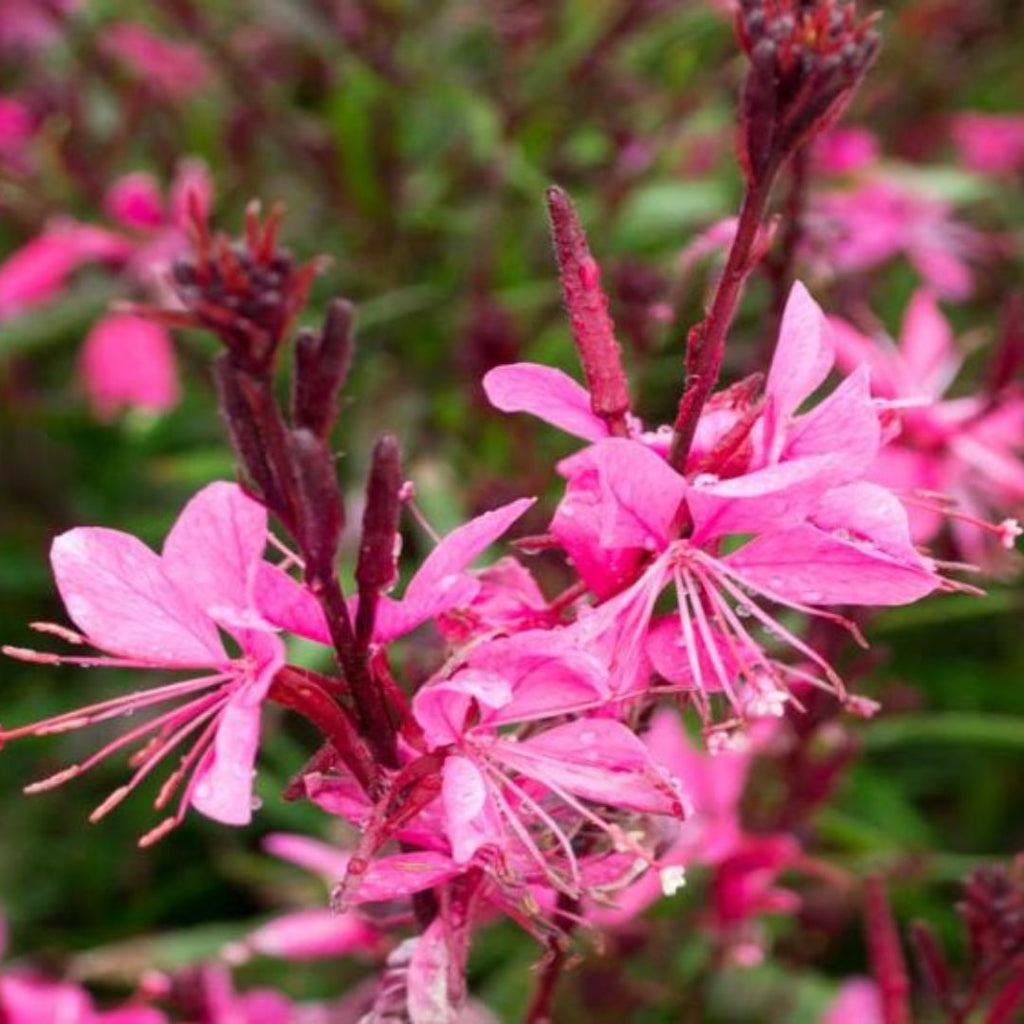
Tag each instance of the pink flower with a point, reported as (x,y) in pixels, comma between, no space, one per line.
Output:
(129,361)
(498,789)
(16,128)
(858,1002)
(814,533)
(957,458)
(27,998)
(31,24)
(175,69)
(36,273)
(845,150)
(856,230)
(165,611)
(156,228)
(440,585)
(990,143)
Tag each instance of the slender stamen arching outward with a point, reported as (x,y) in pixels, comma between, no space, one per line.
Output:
(693,594)
(1006,531)
(114,707)
(620,839)
(522,832)
(189,719)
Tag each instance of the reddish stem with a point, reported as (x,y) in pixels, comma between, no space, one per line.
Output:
(888,966)
(706,342)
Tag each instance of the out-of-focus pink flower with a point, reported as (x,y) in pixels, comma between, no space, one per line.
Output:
(16,128)
(28,998)
(845,150)
(30,24)
(165,612)
(317,932)
(37,272)
(175,69)
(965,451)
(129,361)
(858,1002)
(990,143)
(855,230)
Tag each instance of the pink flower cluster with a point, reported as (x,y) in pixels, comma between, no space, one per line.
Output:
(530,783)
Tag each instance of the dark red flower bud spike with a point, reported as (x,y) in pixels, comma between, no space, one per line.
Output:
(587,305)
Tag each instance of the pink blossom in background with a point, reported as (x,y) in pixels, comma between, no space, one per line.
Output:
(16,128)
(127,361)
(967,451)
(145,610)
(31,24)
(38,272)
(845,150)
(173,68)
(990,143)
(858,1002)
(855,230)
(151,233)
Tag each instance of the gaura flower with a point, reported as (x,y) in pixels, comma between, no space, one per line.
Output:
(990,143)
(439,585)
(166,611)
(128,361)
(953,458)
(172,68)
(530,792)
(787,520)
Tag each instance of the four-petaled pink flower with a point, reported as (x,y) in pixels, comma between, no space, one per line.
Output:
(167,611)
(504,791)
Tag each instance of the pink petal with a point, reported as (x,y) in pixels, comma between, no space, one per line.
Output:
(287,604)
(224,784)
(471,820)
(803,354)
(135,201)
(945,272)
(765,499)
(117,592)
(38,271)
(640,493)
(597,759)
(311,854)
(853,349)
(859,552)
(441,707)
(174,68)
(429,997)
(28,1000)
(546,393)
(926,342)
(216,546)
(402,874)
(548,674)
(312,934)
(438,586)
(858,1002)
(845,423)
(129,361)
